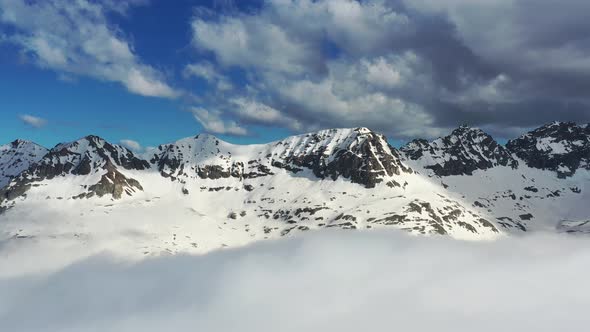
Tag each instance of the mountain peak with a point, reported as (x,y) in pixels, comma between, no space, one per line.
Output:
(465,129)
(363,130)
(84,159)
(357,154)
(81,144)
(18,156)
(563,147)
(462,152)
(20,142)
(205,137)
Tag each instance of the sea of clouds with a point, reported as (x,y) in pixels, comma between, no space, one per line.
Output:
(324,281)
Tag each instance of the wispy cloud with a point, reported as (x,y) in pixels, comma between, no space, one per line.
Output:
(33,121)
(131,144)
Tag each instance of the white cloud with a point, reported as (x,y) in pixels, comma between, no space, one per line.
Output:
(202,70)
(251,43)
(257,112)
(33,121)
(293,84)
(213,123)
(75,37)
(289,36)
(209,73)
(352,94)
(131,144)
(328,281)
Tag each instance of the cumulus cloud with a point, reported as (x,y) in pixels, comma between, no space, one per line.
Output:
(328,281)
(76,38)
(405,67)
(131,144)
(213,123)
(376,80)
(33,121)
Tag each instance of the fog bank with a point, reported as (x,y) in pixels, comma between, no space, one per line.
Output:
(326,281)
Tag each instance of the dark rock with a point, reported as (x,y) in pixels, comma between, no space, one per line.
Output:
(563,147)
(464,151)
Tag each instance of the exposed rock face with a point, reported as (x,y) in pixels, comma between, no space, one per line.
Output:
(464,151)
(86,157)
(114,183)
(421,217)
(563,147)
(358,154)
(17,157)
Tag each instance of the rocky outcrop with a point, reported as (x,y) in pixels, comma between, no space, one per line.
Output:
(114,183)
(563,147)
(462,152)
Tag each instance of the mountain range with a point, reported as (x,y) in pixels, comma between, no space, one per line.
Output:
(201,193)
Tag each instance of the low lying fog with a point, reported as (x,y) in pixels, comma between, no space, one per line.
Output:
(325,281)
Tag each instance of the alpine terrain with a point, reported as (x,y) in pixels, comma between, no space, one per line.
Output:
(201,193)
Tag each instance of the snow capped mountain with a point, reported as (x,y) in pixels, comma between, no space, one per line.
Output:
(464,151)
(90,166)
(358,154)
(563,147)
(17,157)
(522,187)
(200,193)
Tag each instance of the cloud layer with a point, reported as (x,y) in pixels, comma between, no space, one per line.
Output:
(327,281)
(407,68)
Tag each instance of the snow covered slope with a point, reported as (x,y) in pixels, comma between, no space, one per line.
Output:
(200,193)
(17,157)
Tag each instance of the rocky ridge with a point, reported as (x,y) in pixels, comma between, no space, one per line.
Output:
(462,152)
(562,147)
(92,160)
(346,178)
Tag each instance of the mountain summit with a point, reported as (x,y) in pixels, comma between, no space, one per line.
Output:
(359,155)
(562,147)
(17,157)
(91,165)
(462,152)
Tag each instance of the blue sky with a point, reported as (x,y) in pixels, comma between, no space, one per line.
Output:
(78,106)
(154,71)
